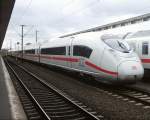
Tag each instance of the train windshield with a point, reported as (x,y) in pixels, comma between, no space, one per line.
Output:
(119,45)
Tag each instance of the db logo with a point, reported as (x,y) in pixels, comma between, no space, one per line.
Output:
(134,68)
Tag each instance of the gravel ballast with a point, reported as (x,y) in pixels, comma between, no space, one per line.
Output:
(90,94)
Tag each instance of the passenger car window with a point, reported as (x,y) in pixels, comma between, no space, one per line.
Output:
(84,51)
(54,51)
(32,51)
(145,48)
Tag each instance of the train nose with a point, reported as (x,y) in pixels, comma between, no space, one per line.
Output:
(130,70)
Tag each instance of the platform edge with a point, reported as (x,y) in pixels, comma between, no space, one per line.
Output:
(17,112)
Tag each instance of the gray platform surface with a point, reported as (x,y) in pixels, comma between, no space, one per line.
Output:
(5,112)
(10,106)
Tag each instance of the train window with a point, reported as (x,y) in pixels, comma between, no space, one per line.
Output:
(84,51)
(31,51)
(119,45)
(145,48)
(69,51)
(54,51)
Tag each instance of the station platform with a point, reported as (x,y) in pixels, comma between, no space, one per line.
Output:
(10,105)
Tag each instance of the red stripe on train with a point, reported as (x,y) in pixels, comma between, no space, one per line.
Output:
(61,58)
(57,58)
(100,69)
(145,60)
(77,60)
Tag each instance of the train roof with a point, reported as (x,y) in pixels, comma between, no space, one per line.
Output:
(143,33)
(93,36)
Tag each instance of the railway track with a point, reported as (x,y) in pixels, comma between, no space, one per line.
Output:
(44,101)
(140,96)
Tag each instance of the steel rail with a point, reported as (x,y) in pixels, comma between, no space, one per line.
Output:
(89,114)
(45,116)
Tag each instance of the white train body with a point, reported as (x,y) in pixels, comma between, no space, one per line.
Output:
(140,42)
(104,57)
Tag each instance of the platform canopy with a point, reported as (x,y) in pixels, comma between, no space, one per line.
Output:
(129,21)
(6,7)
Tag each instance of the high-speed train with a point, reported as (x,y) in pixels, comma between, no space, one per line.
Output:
(140,42)
(106,57)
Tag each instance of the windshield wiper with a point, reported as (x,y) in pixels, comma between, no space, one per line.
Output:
(122,46)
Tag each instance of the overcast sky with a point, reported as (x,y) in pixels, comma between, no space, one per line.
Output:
(57,17)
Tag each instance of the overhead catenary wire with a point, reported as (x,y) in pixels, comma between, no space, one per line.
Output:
(25,10)
(29,30)
(13,25)
(61,19)
(21,17)
(14,28)
(90,5)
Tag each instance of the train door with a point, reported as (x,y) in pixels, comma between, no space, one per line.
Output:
(69,53)
(76,60)
(139,48)
(77,55)
(144,49)
(144,53)
(82,54)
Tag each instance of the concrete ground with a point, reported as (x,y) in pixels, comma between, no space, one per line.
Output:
(10,106)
